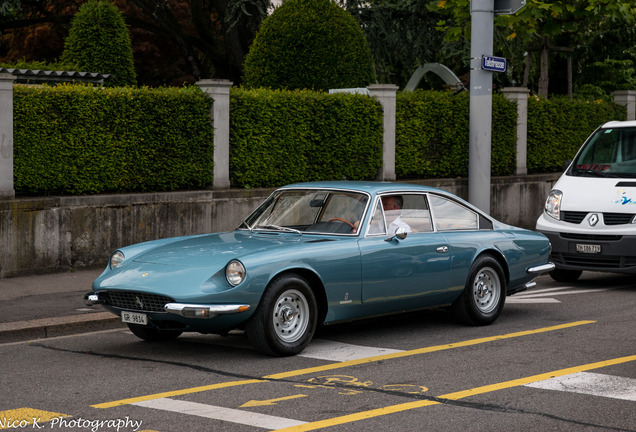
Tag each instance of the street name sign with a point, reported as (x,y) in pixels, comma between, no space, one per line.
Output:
(508,7)
(493,64)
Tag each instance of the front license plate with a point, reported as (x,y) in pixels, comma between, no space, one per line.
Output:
(588,248)
(134,318)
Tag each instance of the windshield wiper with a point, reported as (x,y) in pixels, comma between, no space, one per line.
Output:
(248,226)
(590,172)
(280,228)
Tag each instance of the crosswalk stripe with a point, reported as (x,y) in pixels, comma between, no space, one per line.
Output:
(337,351)
(220,413)
(594,384)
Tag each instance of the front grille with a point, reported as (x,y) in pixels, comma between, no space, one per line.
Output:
(134,300)
(617,218)
(596,261)
(573,216)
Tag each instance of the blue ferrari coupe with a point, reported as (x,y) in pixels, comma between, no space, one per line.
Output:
(322,253)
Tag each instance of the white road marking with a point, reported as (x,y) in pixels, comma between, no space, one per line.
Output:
(338,352)
(592,384)
(545,295)
(220,413)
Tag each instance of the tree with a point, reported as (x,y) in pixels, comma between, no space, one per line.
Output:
(539,24)
(99,42)
(174,41)
(309,44)
(401,35)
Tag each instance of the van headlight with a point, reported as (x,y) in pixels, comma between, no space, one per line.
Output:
(553,204)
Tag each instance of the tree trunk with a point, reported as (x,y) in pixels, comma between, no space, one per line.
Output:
(543,77)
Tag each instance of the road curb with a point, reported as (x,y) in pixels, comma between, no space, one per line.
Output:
(58,326)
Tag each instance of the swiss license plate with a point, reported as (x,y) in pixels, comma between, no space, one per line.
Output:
(588,248)
(134,318)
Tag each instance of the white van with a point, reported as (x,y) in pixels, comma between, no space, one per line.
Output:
(590,214)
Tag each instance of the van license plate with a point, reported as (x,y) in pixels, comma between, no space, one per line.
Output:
(134,318)
(588,248)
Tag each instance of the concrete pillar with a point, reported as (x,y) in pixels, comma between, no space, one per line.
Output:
(386,95)
(220,92)
(7,190)
(627,98)
(520,96)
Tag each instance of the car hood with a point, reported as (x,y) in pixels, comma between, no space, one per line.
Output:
(211,249)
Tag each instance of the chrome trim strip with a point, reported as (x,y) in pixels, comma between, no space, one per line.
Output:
(208,311)
(529,285)
(544,268)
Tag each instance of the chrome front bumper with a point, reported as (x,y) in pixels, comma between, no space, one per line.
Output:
(187,310)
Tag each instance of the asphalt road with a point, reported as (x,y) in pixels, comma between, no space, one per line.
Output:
(560,358)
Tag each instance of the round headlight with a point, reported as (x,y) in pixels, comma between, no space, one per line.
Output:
(116,259)
(234,272)
(553,204)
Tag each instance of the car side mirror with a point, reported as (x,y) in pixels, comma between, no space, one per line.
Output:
(400,233)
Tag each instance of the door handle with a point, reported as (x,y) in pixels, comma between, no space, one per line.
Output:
(442,249)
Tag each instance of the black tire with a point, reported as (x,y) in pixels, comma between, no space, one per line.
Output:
(285,320)
(484,295)
(561,275)
(153,334)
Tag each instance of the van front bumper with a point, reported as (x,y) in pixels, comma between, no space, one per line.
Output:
(593,252)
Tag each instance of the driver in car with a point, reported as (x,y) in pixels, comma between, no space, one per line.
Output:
(392,205)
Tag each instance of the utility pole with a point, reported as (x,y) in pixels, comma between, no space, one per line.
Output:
(479,144)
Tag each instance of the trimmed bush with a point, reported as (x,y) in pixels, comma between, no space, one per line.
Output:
(432,135)
(280,137)
(99,42)
(309,44)
(75,139)
(558,127)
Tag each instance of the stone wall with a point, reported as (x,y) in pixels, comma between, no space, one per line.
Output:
(53,234)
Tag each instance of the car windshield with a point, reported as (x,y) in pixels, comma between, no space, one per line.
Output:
(309,211)
(608,153)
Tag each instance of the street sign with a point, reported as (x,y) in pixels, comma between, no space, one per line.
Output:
(493,64)
(508,7)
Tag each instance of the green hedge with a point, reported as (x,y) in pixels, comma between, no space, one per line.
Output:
(432,135)
(280,137)
(75,139)
(558,127)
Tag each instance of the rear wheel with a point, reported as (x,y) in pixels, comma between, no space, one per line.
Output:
(561,275)
(153,334)
(484,295)
(285,320)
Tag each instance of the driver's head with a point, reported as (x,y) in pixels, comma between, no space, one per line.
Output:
(392,202)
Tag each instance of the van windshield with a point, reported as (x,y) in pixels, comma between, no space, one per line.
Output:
(608,153)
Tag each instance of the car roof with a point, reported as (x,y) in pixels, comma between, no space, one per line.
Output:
(370,187)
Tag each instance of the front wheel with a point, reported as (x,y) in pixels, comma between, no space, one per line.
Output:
(285,320)
(484,295)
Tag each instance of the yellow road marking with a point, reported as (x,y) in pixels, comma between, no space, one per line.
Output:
(453,396)
(176,393)
(23,417)
(344,364)
(418,351)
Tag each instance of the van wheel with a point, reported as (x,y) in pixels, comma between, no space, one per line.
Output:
(561,275)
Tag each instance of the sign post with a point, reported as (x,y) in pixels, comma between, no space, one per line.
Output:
(482,64)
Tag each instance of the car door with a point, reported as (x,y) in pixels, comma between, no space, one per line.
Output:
(416,267)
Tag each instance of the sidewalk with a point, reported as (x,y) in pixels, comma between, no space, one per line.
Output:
(43,306)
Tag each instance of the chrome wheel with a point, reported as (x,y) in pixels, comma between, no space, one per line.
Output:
(486,290)
(290,316)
